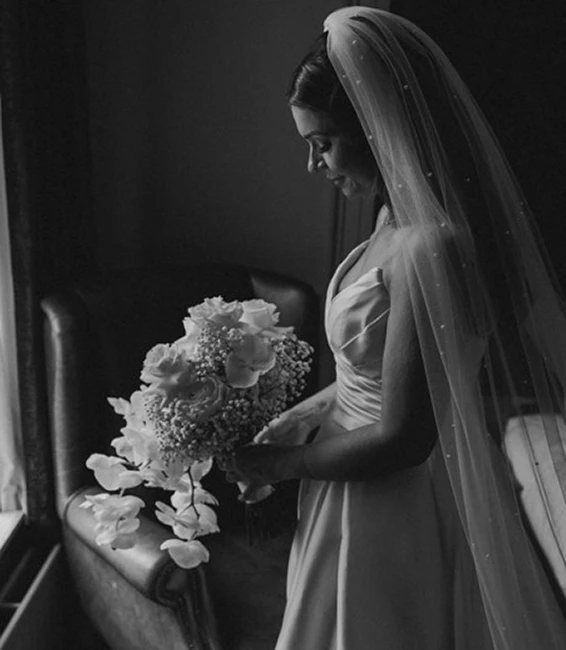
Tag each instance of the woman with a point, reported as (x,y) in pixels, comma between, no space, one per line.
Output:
(409,534)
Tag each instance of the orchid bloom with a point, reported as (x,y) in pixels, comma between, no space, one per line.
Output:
(116,518)
(187,554)
(190,522)
(111,474)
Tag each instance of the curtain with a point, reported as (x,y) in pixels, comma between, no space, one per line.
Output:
(47,174)
(11,471)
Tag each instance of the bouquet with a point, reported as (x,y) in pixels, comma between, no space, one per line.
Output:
(203,395)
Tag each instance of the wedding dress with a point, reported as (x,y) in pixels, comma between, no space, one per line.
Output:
(380,564)
(435,557)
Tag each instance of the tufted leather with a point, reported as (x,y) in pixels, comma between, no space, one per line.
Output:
(96,336)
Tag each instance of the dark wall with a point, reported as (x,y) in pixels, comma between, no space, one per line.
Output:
(195,156)
(512,54)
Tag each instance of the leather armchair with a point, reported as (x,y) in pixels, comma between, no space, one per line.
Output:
(96,336)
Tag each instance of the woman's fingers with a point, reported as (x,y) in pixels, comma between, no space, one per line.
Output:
(263,436)
(269,434)
(234,477)
(277,430)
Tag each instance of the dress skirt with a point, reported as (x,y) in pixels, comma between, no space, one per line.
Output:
(382,565)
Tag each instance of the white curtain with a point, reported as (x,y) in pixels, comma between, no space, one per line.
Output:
(11,470)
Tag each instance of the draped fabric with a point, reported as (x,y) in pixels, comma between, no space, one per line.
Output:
(47,169)
(11,468)
(490,320)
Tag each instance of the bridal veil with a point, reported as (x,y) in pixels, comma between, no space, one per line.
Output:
(490,320)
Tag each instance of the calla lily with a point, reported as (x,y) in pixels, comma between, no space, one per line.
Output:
(187,555)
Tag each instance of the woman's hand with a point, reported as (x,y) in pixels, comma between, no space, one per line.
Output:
(287,429)
(264,464)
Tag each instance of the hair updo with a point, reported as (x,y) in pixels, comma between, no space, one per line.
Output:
(315,86)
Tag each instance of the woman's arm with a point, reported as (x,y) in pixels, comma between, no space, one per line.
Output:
(406,433)
(293,426)
(312,410)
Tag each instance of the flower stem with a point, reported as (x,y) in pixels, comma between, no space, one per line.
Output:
(192,504)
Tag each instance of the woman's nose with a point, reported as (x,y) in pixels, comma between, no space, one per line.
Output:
(313,162)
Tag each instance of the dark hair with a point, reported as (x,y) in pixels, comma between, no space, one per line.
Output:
(315,85)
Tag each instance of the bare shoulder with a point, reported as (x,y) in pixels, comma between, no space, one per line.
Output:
(428,240)
(415,245)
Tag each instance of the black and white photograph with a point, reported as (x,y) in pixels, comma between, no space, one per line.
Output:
(282,325)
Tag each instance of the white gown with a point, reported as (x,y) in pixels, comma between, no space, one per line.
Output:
(380,564)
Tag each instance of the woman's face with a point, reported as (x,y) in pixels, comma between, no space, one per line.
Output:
(334,153)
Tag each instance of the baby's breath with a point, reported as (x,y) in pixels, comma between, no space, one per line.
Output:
(194,408)
(180,427)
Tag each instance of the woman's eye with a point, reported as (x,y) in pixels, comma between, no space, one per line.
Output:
(321,147)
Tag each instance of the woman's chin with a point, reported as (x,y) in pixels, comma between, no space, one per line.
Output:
(348,188)
(353,190)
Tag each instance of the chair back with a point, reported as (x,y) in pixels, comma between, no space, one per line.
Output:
(97,333)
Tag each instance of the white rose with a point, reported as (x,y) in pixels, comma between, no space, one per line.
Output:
(188,344)
(259,314)
(216,310)
(250,357)
(167,371)
(160,362)
(204,397)
(261,317)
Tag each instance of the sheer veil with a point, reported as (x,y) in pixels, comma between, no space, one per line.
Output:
(490,320)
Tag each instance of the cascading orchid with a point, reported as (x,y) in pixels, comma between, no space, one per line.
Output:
(209,391)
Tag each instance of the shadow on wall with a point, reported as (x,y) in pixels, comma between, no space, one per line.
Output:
(195,154)
(512,56)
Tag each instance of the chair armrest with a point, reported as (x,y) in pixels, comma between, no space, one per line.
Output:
(146,566)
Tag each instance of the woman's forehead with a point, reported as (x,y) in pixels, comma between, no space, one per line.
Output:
(310,122)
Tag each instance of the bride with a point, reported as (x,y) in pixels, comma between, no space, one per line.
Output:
(409,533)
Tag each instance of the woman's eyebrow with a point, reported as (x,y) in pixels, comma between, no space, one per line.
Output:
(316,133)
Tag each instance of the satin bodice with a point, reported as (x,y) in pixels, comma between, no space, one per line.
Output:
(356,324)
